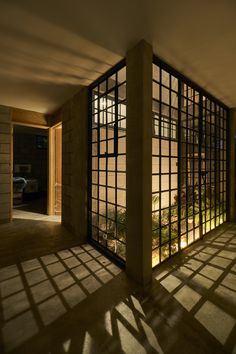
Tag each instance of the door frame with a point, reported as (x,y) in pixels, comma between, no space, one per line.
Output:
(51,168)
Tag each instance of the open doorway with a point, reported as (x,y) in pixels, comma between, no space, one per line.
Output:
(30,169)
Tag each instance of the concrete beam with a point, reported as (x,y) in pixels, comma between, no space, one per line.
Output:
(29,118)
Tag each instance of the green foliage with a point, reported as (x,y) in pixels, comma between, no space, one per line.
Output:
(164,226)
(155,200)
(210,206)
(116,224)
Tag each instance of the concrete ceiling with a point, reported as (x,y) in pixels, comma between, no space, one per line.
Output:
(49,48)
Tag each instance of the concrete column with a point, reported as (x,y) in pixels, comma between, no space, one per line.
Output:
(139,163)
(231,167)
(5,165)
(74,164)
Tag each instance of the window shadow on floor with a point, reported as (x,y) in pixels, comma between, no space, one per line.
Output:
(204,285)
(77,301)
(37,292)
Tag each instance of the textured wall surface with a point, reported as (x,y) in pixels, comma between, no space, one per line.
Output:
(5,164)
(74,164)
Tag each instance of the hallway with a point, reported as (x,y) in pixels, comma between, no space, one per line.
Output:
(57,297)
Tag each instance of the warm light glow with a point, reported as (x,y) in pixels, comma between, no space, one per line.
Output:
(155,258)
(183,244)
(197,234)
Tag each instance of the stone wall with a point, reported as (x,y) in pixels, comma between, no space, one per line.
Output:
(74,164)
(5,164)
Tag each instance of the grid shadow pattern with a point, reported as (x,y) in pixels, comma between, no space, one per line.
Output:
(36,293)
(204,284)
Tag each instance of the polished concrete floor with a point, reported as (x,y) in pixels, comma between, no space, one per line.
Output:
(58,297)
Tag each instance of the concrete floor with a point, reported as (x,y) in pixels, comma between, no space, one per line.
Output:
(58,297)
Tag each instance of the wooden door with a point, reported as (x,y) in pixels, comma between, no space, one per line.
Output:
(58,169)
(55,170)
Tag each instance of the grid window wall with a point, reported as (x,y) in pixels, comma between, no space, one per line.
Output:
(164,165)
(214,165)
(107,185)
(189,167)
